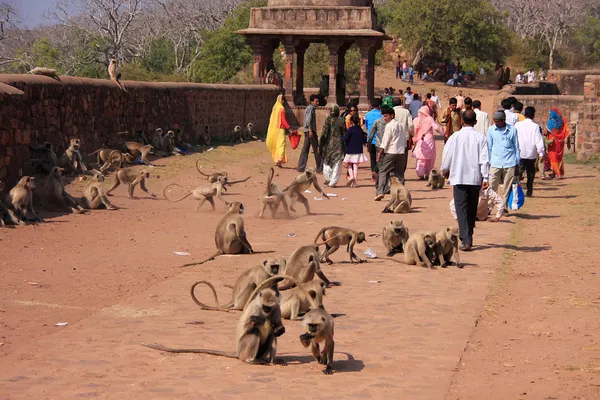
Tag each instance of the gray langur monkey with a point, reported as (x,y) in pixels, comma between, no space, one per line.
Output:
(333,237)
(131,180)
(94,196)
(395,235)
(422,250)
(302,265)
(448,246)
(400,198)
(20,198)
(299,185)
(203,193)
(71,160)
(272,197)
(436,180)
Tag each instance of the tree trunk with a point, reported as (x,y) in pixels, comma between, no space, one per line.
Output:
(418,57)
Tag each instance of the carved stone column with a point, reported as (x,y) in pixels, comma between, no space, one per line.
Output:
(299,98)
(371,75)
(288,79)
(363,83)
(334,47)
(259,63)
(340,92)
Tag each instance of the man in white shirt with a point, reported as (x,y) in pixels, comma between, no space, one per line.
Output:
(406,124)
(483,119)
(511,117)
(408,96)
(391,157)
(530,76)
(435,98)
(465,161)
(531,146)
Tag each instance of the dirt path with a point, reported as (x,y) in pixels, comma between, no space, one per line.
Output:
(113,276)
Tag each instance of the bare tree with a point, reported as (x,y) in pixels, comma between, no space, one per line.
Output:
(8,17)
(108,19)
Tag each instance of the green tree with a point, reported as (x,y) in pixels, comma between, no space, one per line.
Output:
(224,53)
(588,38)
(448,29)
(159,56)
(41,54)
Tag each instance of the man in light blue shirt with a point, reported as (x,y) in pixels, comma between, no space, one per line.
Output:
(503,144)
(370,119)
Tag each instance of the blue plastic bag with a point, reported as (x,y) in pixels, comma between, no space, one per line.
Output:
(516,197)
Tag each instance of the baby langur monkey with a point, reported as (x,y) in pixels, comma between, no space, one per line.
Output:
(300,184)
(230,235)
(272,197)
(302,265)
(333,237)
(211,178)
(421,249)
(203,193)
(123,176)
(21,199)
(244,285)
(256,335)
(93,194)
(448,246)
(436,180)
(71,160)
(400,198)
(395,235)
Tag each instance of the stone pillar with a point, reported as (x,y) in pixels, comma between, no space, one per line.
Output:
(371,75)
(288,79)
(341,86)
(259,63)
(588,130)
(334,47)
(363,83)
(299,98)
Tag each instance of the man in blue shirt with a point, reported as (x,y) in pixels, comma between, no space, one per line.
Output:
(503,144)
(370,119)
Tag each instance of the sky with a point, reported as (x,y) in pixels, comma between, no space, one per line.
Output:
(32,11)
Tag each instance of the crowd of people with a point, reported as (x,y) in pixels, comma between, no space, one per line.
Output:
(478,155)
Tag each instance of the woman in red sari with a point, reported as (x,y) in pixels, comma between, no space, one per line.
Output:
(557,134)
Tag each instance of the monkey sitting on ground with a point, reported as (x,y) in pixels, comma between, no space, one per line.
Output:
(107,157)
(395,235)
(302,265)
(333,237)
(123,176)
(21,199)
(244,285)
(93,194)
(237,134)
(230,235)
(319,328)
(250,131)
(138,150)
(294,302)
(47,158)
(421,249)
(256,335)
(272,197)
(400,198)
(49,72)
(447,246)
(71,160)
(169,144)
(203,137)
(436,180)
(203,193)
(53,192)
(300,184)
(7,216)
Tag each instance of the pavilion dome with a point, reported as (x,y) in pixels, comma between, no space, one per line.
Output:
(320,3)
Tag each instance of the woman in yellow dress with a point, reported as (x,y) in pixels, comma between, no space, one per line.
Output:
(276,133)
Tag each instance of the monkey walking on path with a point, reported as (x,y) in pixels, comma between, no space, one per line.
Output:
(333,237)
(300,184)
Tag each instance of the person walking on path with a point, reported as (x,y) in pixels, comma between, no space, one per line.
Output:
(404,71)
(451,119)
(411,75)
(436,98)
(503,144)
(353,112)
(331,146)
(557,134)
(391,153)
(405,120)
(432,106)
(511,117)
(276,133)
(398,68)
(483,119)
(373,140)
(424,142)
(310,136)
(355,140)
(415,106)
(465,163)
(531,146)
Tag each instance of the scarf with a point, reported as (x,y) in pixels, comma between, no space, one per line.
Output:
(423,124)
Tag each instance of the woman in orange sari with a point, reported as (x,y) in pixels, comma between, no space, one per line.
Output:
(276,133)
(557,134)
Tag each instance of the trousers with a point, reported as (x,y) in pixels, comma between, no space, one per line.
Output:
(303,160)
(466,199)
(390,163)
(527,166)
(506,175)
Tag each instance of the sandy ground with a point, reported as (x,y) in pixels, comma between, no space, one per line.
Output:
(521,317)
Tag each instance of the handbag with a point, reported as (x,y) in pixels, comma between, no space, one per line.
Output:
(516,197)
(294,139)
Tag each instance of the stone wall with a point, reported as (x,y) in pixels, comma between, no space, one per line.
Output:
(35,109)
(588,137)
(570,82)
